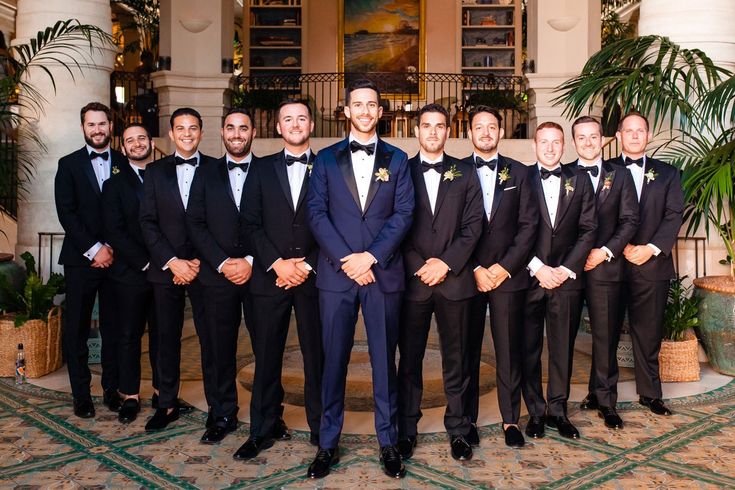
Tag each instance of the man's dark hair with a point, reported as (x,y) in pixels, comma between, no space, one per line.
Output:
(547,125)
(134,125)
(433,107)
(584,120)
(630,114)
(237,110)
(358,84)
(95,106)
(485,108)
(185,111)
(286,102)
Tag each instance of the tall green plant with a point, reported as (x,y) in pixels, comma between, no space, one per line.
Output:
(681,310)
(684,92)
(34,299)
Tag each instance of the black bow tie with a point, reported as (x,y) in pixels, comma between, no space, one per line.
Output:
(104,155)
(290,159)
(432,166)
(593,169)
(489,164)
(242,166)
(545,174)
(355,146)
(186,161)
(637,161)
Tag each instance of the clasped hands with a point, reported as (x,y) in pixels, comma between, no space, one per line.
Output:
(490,278)
(290,272)
(551,277)
(184,271)
(638,254)
(357,267)
(103,257)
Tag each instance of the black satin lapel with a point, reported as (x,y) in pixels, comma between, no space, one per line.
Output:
(282,175)
(131,175)
(382,160)
(565,197)
(420,187)
(541,197)
(224,174)
(441,194)
(601,192)
(649,165)
(344,162)
(173,183)
(498,194)
(89,171)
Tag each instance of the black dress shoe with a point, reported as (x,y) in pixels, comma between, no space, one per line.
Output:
(564,426)
(513,437)
(535,427)
(112,399)
(655,404)
(473,436)
(611,417)
(405,446)
(183,406)
(391,461)
(589,402)
(84,408)
(314,439)
(128,411)
(280,431)
(161,419)
(325,459)
(252,447)
(461,449)
(218,431)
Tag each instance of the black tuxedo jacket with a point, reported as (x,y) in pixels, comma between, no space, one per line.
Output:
(216,227)
(121,196)
(79,204)
(163,217)
(449,234)
(617,218)
(276,229)
(661,207)
(509,234)
(573,235)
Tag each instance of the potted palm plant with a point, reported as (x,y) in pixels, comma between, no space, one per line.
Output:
(678,358)
(689,98)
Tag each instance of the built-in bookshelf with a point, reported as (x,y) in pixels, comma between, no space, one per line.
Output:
(490,37)
(274,37)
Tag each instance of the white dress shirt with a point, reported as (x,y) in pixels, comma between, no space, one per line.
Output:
(185,175)
(432,179)
(296,174)
(101,169)
(638,174)
(488,181)
(362,167)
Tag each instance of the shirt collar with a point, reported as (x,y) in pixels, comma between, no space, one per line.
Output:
(623,156)
(558,165)
(426,159)
(494,155)
(248,158)
(90,150)
(597,164)
(195,155)
(374,139)
(307,153)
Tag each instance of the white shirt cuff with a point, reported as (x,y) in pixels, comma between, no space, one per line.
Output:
(219,267)
(93,251)
(165,267)
(610,255)
(249,258)
(274,263)
(146,267)
(308,267)
(572,275)
(535,265)
(656,250)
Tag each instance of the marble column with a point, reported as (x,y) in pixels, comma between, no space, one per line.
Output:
(197,36)
(59,125)
(562,35)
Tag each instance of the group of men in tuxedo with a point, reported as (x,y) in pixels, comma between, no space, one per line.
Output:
(360,226)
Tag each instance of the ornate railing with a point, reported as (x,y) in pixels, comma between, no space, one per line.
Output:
(403,94)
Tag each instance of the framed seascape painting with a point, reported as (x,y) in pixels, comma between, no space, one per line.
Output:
(386,37)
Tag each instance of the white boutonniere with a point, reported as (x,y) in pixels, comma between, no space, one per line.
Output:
(382,175)
(115,170)
(608,182)
(568,186)
(650,176)
(309,166)
(452,173)
(504,175)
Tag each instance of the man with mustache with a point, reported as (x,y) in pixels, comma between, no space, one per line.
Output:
(121,196)
(215,220)
(86,257)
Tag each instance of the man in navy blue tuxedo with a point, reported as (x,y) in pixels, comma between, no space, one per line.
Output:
(360,206)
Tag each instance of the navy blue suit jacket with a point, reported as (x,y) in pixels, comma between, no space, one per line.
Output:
(341,227)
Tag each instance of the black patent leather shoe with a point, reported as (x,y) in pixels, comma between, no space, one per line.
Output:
(656,405)
(564,426)
(391,461)
(611,418)
(314,439)
(217,432)
(324,460)
(473,436)
(161,419)
(590,402)
(406,446)
(460,448)
(128,411)
(112,400)
(84,408)
(280,431)
(535,427)
(183,406)
(514,437)
(252,447)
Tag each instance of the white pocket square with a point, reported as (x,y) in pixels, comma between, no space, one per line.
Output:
(509,188)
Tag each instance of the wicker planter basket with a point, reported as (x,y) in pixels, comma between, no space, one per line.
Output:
(41,342)
(677,361)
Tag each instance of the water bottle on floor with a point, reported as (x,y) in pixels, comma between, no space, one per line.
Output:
(20,366)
